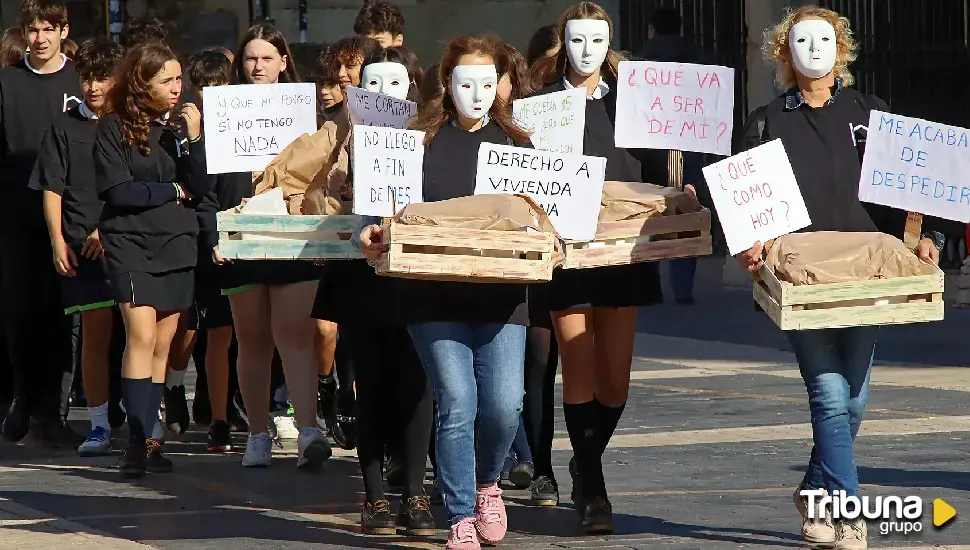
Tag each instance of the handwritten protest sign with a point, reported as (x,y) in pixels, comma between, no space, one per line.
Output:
(388,168)
(678,106)
(247,125)
(916,165)
(556,120)
(568,187)
(756,196)
(373,109)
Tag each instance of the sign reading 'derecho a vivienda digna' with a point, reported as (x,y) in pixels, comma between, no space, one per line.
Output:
(247,125)
(568,187)
(916,165)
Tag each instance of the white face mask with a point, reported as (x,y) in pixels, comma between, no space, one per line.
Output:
(813,47)
(587,43)
(386,78)
(473,89)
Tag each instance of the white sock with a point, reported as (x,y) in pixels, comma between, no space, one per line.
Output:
(99,417)
(174,378)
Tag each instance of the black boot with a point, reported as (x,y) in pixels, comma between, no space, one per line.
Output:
(598,516)
(415,517)
(132,463)
(17,422)
(376,519)
(155,462)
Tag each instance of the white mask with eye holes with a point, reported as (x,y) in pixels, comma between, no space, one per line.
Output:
(813,47)
(473,89)
(587,43)
(387,78)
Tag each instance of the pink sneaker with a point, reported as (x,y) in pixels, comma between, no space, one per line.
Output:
(463,536)
(490,519)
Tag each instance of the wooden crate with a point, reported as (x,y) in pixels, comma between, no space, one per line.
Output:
(466,255)
(287,237)
(895,301)
(636,241)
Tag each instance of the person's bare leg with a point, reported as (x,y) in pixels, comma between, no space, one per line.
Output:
(251,317)
(293,332)
(137,373)
(218,341)
(166,327)
(181,346)
(136,363)
(324,345)
(614,329)
(97,326)
(577,352)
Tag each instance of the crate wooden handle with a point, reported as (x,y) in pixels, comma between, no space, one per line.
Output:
(914,228)
(675,169)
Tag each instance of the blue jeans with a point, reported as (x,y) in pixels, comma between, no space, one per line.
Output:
(477,372)
(520,450)
(835,364)
(682,272)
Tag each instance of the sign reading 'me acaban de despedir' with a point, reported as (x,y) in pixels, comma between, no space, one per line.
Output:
(916,165)
(247,125)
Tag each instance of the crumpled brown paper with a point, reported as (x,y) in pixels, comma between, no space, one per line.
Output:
(630,201)
(836,257)
(312,171)
(493,212)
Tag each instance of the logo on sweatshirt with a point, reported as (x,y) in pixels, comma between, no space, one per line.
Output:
(67,102)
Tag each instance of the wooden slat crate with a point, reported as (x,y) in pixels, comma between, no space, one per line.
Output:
(894,301)
(292,237)
(644,240)
(466,255)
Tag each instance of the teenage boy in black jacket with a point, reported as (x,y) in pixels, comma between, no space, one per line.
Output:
(32,92)
(65,174)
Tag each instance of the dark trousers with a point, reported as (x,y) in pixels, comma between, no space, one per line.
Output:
(682,277)
(539,404)
(393,405)
(37,333)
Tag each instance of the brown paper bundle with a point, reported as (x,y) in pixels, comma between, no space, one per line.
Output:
(835,257)
(630,201)
(492,212)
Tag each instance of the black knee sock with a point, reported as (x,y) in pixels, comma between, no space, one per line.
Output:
(608,418)
(137,397)
(583,427)
(158,394)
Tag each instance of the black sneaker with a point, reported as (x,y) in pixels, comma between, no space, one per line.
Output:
(176,410)
(544,491)
(116,415)
(155,462)
(133,460)
(521,475)
(376,519)
(345,432)
(415,517)
(598,516)
(220,439)
(17,422)
(576,495)
(53,434)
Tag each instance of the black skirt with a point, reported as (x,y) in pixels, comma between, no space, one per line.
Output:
(169,291)
(89,289)
(267,272)
(350,292)
(633,285)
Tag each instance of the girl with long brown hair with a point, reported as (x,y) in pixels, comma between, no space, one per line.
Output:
(595,310)
(148,181)
(470,337)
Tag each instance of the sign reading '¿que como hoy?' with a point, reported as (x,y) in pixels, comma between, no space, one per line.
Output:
(388,168)
(679,106)
(247,125)
(756,196)
(916,165)
(568,187)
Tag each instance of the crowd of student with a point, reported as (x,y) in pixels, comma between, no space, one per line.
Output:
(102,169)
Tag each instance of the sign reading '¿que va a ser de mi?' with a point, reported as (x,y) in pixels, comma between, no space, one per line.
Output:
(679,106)
(756,196)
(916,165)
(388,168)
(568,187)
(247,125)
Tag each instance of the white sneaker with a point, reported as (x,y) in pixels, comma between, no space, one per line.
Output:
(285,427)
(313,447)
(820,530)
(851,535)
(259,451)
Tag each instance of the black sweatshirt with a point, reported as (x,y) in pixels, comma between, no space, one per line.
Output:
(150,239)
(65,166)
(450,167)
(29,103)
(823,154)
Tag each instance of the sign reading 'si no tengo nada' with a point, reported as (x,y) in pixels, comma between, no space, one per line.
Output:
(247,125)
(388,169)
(568,187)
(916,165)
(679,106)
(756,196)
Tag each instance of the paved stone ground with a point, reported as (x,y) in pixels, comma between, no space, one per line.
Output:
(712,444)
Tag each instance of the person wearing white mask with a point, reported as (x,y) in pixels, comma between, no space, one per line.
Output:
(594,311)
(470,337)
(811,50)
(393,399)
